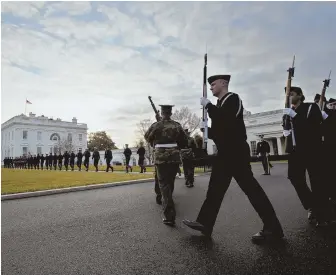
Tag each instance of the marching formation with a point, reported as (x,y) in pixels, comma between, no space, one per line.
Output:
(309,129)
(310,140)
(56,161)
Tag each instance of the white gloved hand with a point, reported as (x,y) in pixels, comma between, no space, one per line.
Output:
(286,133)
(204,101)
(290,112)
(202,124)
(324,115)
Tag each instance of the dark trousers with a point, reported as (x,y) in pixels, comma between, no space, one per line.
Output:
(127,164)
(265,163)
(166,174)
(317,197)
(188,169)
(237,166)
(72,164)
(157,186)
(41,165)
(79,164)
(86,164)
(60,166)
(179,171)
(66,164)
(141,163)
(108,165)
(95,164)
(55,165)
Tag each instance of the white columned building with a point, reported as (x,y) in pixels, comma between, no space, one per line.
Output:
(23,135)
(268,124)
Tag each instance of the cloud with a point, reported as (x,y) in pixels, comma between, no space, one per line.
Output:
(99,61)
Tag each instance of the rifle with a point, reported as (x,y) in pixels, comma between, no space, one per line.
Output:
(157,114)
(205,115)
(288,123)
(324,89)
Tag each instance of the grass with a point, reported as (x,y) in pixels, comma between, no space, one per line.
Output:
(18,181)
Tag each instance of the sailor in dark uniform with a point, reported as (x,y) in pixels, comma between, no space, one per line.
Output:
(263,150)
(306,156)
(232,160)
(329,150)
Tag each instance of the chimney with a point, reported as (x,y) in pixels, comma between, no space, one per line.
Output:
(31,114)
(74,120)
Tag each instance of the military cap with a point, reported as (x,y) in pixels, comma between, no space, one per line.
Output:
(166,107)
(225,77)
(297,90)
(318,96)
(331,100)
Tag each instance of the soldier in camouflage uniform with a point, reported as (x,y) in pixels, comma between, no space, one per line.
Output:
(167,136)
(187,155)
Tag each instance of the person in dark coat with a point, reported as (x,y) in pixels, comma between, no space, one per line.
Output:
(79,160)
(127,154)
(42,158)
(87,156)
(141,152)
(232,160)
(72,160)
(305,155)
(263,150)
(108,157)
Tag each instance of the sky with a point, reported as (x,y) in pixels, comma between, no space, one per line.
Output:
(99,61)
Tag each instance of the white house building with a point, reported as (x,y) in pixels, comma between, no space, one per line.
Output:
(268,124)
(22,135)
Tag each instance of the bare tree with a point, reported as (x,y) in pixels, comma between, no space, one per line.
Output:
(187,119)
(143,126)
(64,145)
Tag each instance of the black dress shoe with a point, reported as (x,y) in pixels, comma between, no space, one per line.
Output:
(197,226)
(265,235)
(168,222)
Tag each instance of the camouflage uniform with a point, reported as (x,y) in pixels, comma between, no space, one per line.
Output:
(167,136)
(187,156)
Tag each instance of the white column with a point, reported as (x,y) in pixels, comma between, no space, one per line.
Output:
(279,146)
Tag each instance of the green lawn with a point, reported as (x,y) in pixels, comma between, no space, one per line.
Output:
(18,181)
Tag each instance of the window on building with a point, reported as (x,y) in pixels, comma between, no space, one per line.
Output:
(25,134)
(39,135)
(12,154)
(24,151)
(55,137)
(69,137)
(12,135)
(80,137)
(39,150)
(253,148)
(51,151)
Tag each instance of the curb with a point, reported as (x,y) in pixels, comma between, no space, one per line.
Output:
(41,193)
(69,189)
